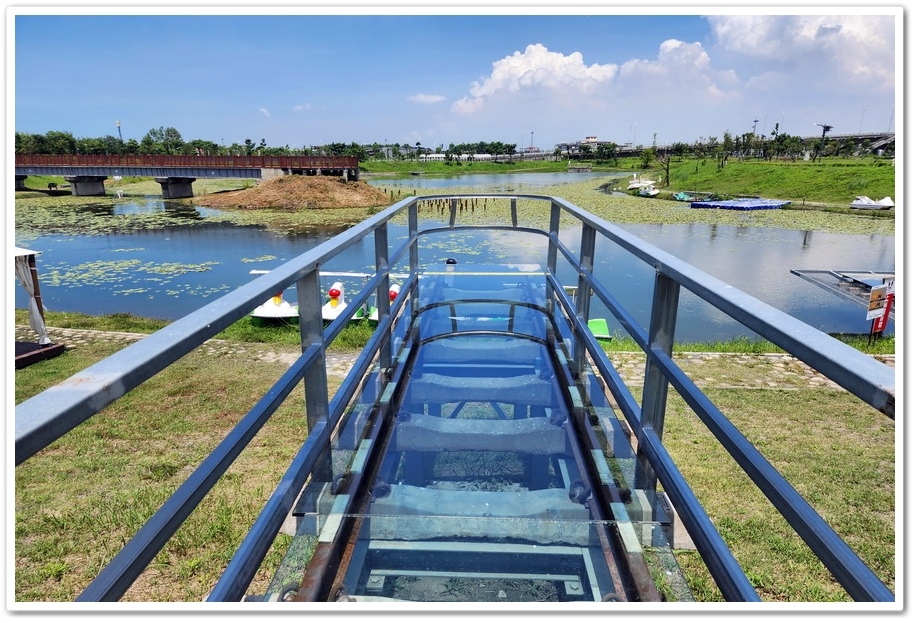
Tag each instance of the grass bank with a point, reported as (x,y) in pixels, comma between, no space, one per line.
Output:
(831,182)
(412,167)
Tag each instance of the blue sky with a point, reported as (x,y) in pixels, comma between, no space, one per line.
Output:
(518,75)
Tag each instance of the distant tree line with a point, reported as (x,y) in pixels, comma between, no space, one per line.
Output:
(161,140)
(168,140)
(777,146)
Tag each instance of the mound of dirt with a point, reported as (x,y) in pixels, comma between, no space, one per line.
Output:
(299,192)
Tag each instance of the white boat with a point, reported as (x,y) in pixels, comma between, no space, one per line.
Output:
(337,304)
(638,183)
(647,191)
(276,307)
(393,292)
(865,203)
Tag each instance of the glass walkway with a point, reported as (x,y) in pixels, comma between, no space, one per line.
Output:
(483,447)
(487,480)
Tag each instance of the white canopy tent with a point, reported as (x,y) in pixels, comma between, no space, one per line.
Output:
(27,274)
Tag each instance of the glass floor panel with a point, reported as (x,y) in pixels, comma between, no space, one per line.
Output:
(475,482)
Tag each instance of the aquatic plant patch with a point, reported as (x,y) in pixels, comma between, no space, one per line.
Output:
(117,272)
(93,216)
(625,209)
(39,214)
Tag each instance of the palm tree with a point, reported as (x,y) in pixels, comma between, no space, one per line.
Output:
(827,128)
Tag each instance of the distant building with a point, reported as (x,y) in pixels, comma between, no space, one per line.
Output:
(573,149)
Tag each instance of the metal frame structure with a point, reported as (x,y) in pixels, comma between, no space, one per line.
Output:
(45,417)
(852,285)
(181,166)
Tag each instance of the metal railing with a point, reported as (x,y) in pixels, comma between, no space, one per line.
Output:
(46,417)
(172,161)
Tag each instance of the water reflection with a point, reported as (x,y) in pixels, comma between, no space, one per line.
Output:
(96,209)
(172,209)
(147,205)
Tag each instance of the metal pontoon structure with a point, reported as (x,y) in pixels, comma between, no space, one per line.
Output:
(852,285)
(482,441)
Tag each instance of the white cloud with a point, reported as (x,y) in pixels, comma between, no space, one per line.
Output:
(264,112)
(536,68)
(468,104)
(678,66)
(424,98)
(855,49)
(301,107)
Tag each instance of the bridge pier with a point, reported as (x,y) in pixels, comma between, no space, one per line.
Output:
(176,187)
(87,185)
(20,182)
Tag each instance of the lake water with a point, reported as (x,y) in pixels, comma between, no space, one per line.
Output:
(170,273)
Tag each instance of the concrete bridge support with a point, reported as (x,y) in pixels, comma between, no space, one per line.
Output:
(176,187)
(87,185)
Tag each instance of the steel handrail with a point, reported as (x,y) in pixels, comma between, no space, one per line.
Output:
(866,378)
(47,416)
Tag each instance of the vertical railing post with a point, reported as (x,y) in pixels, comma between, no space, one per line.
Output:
(315,379)
(453,211)
(655,385)
(554,235)
(583,291)
(381,292)
(311,331)
(552,254)
(413,229)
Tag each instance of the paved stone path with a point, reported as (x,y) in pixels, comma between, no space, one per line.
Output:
(339,364)
(708,370)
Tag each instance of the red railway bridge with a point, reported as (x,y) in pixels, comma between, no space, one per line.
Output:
(87,173)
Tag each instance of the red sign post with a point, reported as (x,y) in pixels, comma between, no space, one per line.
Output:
(879,309)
